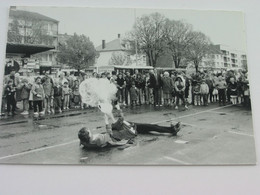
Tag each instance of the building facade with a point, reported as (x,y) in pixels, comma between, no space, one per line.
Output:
(31,28)
(226,57)
(118,52)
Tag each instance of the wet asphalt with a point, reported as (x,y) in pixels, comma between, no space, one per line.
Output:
(210,135)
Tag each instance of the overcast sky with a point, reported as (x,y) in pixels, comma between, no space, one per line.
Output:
(105,23)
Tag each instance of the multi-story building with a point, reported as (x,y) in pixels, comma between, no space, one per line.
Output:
(226,57)
(118,52)
(34,29)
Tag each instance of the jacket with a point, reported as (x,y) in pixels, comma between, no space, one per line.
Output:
(38,92)
(204,88)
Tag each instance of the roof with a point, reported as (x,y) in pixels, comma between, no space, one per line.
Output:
(26,49)
(215,49)
(22,13)
(115,45)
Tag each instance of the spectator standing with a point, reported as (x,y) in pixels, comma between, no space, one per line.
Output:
(148,89)
(139,83)
(128,83)
(204,91)
(10,97)
(121,88)
(155,81)
(221,86)
(167,85)
(179,89)
(57,95)
(48,91)
(25,94)
(66,95)
(38,97)
(133,94)
(233,90)
(196,94)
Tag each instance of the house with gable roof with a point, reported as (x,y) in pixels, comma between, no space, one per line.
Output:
(121,49)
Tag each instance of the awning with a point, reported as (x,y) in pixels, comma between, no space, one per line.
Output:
(26,49)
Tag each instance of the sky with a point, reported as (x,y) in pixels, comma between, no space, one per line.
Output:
(222,27)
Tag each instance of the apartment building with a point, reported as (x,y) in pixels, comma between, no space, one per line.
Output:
(226,57)
(33,29)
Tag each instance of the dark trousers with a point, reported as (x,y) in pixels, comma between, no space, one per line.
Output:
(205,99)
(143,128)
(211,95)
(222,96)
(157,96)
(10,100)
(37,105)
(180,95)
(57,103)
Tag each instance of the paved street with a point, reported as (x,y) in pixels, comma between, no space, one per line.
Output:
(210,135)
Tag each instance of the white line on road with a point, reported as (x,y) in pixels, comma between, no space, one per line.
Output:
(238,133)
(216,112)
(184,116)
(176,160)
(37,150)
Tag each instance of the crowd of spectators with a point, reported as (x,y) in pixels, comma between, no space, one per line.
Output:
(48,95)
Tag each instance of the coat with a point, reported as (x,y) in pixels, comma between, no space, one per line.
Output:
(167,85)
(38,92)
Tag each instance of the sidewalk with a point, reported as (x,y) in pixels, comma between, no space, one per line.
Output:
(19,118)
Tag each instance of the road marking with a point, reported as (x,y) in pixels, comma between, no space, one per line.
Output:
(176,160)
(37,150)
(216,112)
(238,133)
(184,116)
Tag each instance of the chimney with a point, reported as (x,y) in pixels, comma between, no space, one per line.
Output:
(103,44)
(118,36)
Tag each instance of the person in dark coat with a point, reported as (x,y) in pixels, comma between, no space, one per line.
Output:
(156,84)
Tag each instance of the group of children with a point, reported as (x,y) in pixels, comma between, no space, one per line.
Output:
(43,95)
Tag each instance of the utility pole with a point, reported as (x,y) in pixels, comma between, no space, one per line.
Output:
(135,41)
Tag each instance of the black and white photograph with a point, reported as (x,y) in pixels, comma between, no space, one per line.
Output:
(126,86)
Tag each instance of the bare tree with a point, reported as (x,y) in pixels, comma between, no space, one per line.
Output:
(179,36)
(198,49)
(149,34)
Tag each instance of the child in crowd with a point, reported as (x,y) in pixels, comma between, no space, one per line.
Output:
(48,91)
(196,92)
(10,97)
(57,95)
(38,97)
(66,95)
(233,90)
(179,86)
(133,94)
(204,91)
(25,93)
(221,86)
(76,95)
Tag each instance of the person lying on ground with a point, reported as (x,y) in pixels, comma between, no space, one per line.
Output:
(121,132)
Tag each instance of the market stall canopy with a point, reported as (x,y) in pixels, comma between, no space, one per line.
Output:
(26,50)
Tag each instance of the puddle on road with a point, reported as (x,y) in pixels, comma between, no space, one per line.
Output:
(222,113)
(7,136)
